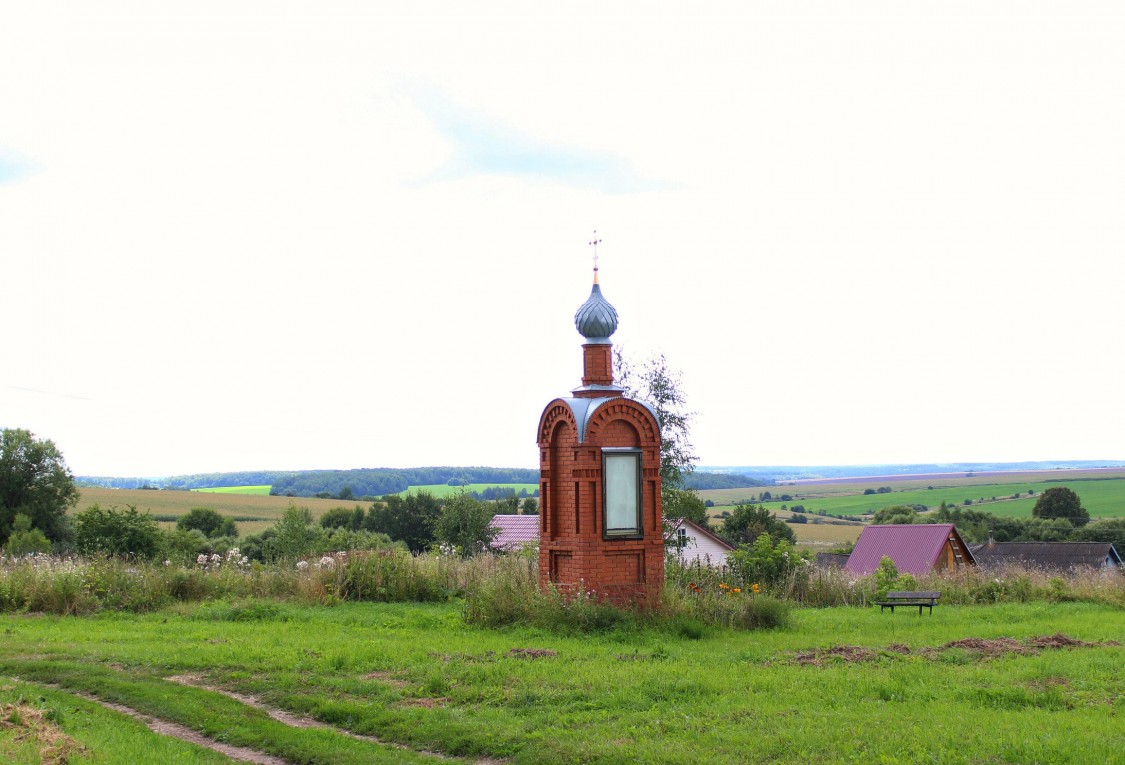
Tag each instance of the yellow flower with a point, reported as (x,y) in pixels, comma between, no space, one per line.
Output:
(755,588)
(723,585)
(737,589)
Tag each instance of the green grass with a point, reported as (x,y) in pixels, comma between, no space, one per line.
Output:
(443,490)
(417,675)
(109,737)
(253,490)
(1104,498)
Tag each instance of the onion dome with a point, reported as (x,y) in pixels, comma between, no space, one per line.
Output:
(596,319)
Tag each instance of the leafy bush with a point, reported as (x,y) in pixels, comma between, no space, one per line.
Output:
(769,564)
(1109,530)
(1061,502)
(121,533)
(407,519)
(464,525)
(886,578)
(294,536)
(343,518)
(204,519)
(747,522)
(896,514)
(25,540)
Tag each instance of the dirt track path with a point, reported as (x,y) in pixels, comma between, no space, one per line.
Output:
(301,721)
(166,728)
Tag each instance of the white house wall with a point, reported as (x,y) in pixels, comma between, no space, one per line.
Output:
(706,551)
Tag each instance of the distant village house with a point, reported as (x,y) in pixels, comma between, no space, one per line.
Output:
(1056,556)
(515,532)
(694,544)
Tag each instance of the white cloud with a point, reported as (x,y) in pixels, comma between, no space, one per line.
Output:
(337,235)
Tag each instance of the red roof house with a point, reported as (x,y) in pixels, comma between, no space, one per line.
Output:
(515,531)
(916,548)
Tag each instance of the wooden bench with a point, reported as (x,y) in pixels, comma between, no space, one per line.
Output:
(903,598)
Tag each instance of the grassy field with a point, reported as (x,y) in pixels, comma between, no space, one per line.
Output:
(236,490)
(415,676)
(1103,497)
(443,490)
(176,503)
(263,507)
(822,537)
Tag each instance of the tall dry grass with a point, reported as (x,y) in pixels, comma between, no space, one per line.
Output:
(500,590)
(972,585)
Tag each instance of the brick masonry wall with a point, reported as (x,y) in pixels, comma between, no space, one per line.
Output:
(597,364)
(572,549)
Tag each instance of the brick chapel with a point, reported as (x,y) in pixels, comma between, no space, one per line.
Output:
(601,526)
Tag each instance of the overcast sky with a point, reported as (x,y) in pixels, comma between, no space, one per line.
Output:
(241,235)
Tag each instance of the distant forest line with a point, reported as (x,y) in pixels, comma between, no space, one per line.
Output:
(772,474)
(374,482)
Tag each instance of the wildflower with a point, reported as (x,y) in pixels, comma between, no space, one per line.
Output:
(167,563)
(328,562)
(755,588)
(302,565)
(736,589)
(724,586)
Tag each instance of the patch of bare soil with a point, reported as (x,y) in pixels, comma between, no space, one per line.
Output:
(985,647)
(468,658)
(989,646)
(848,653)
(1058,640)
(1003,645)
(532,653)
(386,678)
(54,746)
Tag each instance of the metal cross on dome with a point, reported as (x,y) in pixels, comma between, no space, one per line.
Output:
(594,243)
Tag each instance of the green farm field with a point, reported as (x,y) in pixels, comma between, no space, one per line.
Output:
(442,490)
(1104,497)
(417,681)
(262,490)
